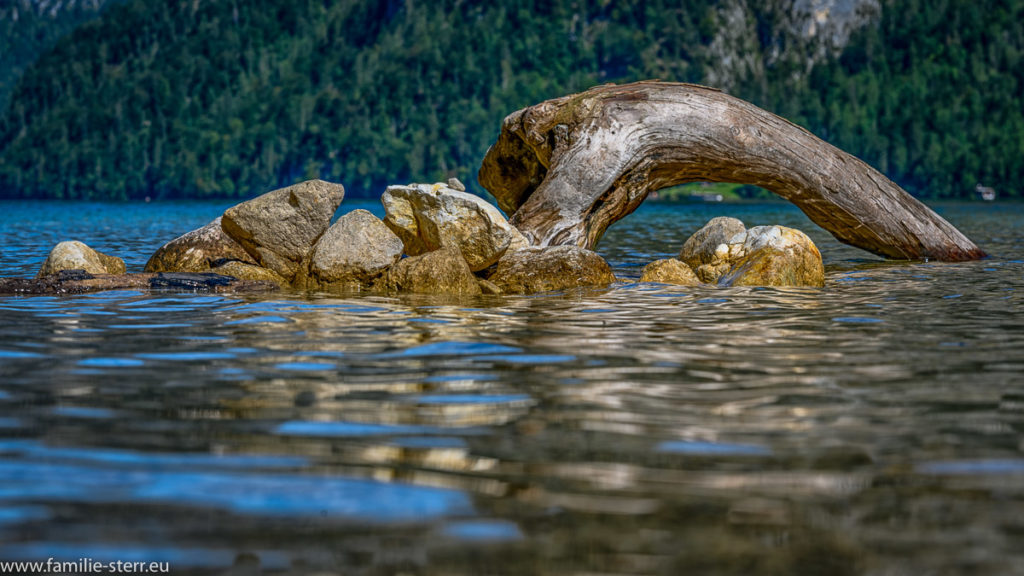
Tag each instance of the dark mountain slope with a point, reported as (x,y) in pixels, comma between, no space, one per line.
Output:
(228,98)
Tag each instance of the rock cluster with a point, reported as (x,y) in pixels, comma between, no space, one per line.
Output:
(459,244)
(727,253)
(453,243)
(280,228)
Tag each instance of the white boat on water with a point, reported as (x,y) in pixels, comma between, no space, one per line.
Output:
(986,193)
(707,197)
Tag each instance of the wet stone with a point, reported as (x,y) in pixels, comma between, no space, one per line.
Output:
(188,280)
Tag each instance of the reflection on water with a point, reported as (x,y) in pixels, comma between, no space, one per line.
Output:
(872,427)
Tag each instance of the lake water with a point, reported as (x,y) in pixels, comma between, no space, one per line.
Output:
(871,427)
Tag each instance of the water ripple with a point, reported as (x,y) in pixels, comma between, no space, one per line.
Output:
(636,429)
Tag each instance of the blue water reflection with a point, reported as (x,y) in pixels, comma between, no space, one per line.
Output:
(350,429)
(861,428)
(268,494)
(712,448)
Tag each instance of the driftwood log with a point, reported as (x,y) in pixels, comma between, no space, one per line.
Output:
(568,168)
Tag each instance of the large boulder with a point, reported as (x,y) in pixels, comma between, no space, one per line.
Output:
(533,270)
(197,250)
(702,252)
(442,271)
(669,271)
(280,228)
(431,216)
(75,255)
(774,256)
(353,253)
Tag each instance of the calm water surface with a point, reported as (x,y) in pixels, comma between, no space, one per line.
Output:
(870,427)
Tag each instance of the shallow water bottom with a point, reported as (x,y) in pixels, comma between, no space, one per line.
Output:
(870,427)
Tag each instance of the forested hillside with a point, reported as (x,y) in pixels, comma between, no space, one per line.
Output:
(30,27)
(228,98)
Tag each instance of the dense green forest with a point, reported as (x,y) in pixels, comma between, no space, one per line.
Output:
(189,98)
(29,28)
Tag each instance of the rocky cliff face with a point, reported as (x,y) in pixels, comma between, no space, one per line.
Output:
(46,8)
(754,36)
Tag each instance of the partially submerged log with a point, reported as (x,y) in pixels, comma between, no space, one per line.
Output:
(80,281)
(568,168)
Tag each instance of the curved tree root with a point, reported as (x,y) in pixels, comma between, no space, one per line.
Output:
(568,168)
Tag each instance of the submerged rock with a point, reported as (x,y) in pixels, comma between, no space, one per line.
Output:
(353,253)
(669,271)
(428,217)
(442,271)
(79,281)
(191,280)
(197,251)
(75,255)
(775,256)
(280,228)
(251,272)
(533,270)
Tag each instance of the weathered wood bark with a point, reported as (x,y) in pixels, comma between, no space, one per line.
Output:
(568,168)
(80,281)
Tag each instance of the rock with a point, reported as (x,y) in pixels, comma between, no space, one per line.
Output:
(203,281)
(353,252)
(78,281)
(197,250)
(774,256)
(75,255)
(427,217)
(442,271)
(669,271)
(700,249)
(280,228)
(488,287)
(533,270)
(711,273)
(456,184)
(726,253)
(251,272)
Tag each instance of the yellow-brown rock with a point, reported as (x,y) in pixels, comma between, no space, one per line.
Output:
(726,253)
(280,228)
(702,248)
(431,216)
(243,271)
(442,271)
(75,255)
(533,270)
(775,256)
(353,253)
(669,271)
(197,250)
